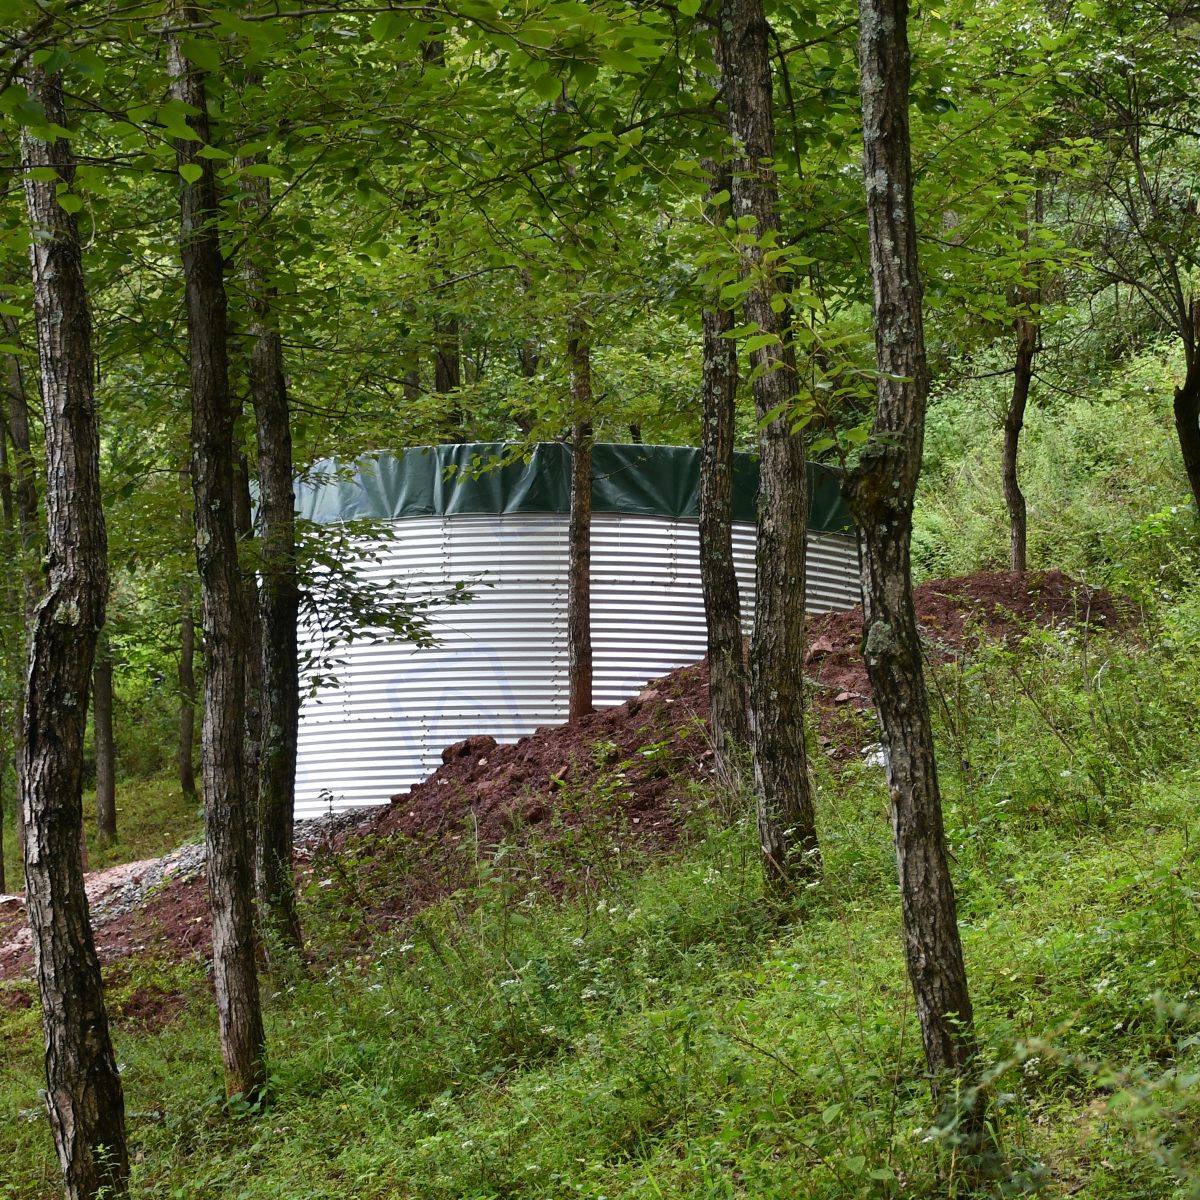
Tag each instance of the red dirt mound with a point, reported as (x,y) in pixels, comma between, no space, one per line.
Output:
(173,925)
(658,742)
(645,752)
(949,612)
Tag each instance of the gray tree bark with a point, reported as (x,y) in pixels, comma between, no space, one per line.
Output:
(1014,422)
(279,597)
(244,526)
(880,492)
(106,758)
(729,717)
(786,816)
(29,528)
(187,694)
(223,723)
(7,549)
(1026,297)
(83,1087)
(579,570)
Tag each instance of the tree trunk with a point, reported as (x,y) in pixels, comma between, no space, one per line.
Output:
(786,817)
(30,536)
(8,551)
(579,571)
(880,492)
(187,693)
(730,719)
(106,758)
(224,713)
(279,596)
(1027,300)
(447,372)
(243,520)
(412,386)
(1013,424)
(1187,408)
(83,1086)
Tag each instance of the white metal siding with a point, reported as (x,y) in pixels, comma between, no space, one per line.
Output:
(501,663)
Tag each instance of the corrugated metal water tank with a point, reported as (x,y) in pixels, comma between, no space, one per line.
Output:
(500,666)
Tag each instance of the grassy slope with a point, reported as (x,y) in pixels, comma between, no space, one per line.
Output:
(665,1035)
(153,818)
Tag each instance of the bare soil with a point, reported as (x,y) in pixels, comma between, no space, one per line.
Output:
(641,758)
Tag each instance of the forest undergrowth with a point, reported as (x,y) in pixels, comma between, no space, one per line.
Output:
(664,1032)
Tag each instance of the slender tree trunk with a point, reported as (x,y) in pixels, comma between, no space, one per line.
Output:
(880,492)
(447,372)
(279,596)
(30,539)
(529,356)
(447,369)
(579,574)
(222,598)
(412,385)
(1028,300)
(1187,408)
(106,758)
(6,550)
(244,524)
(187,693)
(786,816)
(3,880)
(1014,422)
(185,755)
(83,1086)
(718,577)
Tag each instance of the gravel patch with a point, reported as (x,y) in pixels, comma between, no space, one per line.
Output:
(145,880)
(180,865)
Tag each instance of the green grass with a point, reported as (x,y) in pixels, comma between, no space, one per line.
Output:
(153,818)
(665,1034)
(669,1038)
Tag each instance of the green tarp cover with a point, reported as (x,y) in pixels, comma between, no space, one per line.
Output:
(649,481)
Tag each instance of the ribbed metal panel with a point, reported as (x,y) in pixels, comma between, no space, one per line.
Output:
(501,663)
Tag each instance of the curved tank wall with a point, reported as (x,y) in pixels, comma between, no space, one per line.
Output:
(500,666)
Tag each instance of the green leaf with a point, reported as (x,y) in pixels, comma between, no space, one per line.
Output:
(69,203)
(205,54)
(43,174)
(212,152)
(761,340)
(621,60)
(52,61)
(548,86)
(388,26)
(742,330)
(830,1114)
(855,1164)
(689,8)
(175,127)
(191,172)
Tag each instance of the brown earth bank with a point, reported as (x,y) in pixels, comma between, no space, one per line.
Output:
(622,781)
